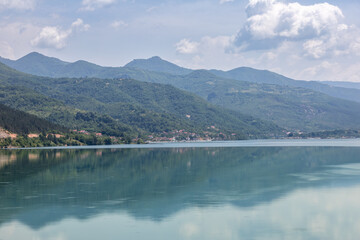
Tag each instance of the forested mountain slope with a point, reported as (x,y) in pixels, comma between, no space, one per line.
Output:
(20,122)
(269,96)
(152,108)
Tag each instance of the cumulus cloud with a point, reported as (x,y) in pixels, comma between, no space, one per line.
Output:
(345,41)
(51,37)
(55,37)
(289,38)
(318,28)
(270,22)
(91,5)
(17,4)
(186,46)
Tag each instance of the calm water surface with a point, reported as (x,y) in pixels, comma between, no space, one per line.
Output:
(182,192)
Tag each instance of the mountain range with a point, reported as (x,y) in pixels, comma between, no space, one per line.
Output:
(40,65)
(115,106)
(291,104)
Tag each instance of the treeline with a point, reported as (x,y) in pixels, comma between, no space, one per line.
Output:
(50,134)
(69,139)
(328,134)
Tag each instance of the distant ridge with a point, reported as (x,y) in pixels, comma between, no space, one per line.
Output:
(155,69)
(44,65)
(338,90)
(157,64)
(292,104)
(355,85)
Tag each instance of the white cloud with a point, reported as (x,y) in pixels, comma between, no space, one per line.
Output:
(17,4)
(79,25)
(118,24)
(302,42)
(319,29)
(271,22)
(225,1)
(315,48)
(185,46)
(205,46)
(51,37)
(343,41)
(55,37)
(91,5)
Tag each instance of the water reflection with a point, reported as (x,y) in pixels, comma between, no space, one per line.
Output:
(39,188)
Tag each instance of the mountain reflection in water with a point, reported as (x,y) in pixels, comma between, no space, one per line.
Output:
(155,184)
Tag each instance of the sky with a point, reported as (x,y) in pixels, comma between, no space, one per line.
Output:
(307,40)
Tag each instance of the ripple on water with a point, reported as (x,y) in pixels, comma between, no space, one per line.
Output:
(31,197)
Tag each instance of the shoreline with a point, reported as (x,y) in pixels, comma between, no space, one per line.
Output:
(310,142)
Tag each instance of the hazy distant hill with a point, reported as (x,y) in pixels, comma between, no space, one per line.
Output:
(150,70)
(157,64)
(146,106)
(352,85)
(288,103)
(40,65)
(335,89)
(264,76)
(36,62)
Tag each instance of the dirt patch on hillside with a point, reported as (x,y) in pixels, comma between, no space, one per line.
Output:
(6,134)
(3,133)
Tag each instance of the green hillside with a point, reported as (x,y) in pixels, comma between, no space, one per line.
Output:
(32,131)
(19,122)
(294,108)
(35,60)
(269,96)
(56,111)
(151,108)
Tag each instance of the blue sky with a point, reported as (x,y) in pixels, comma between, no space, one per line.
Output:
(310,40)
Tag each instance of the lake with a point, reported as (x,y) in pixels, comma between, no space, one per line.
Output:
(272,189)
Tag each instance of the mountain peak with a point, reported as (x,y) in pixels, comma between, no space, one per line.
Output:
(156,58)
(35,56)
(32,55)
(157,64)
(37,64)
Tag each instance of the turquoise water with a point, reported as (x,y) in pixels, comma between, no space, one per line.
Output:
(183,191)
